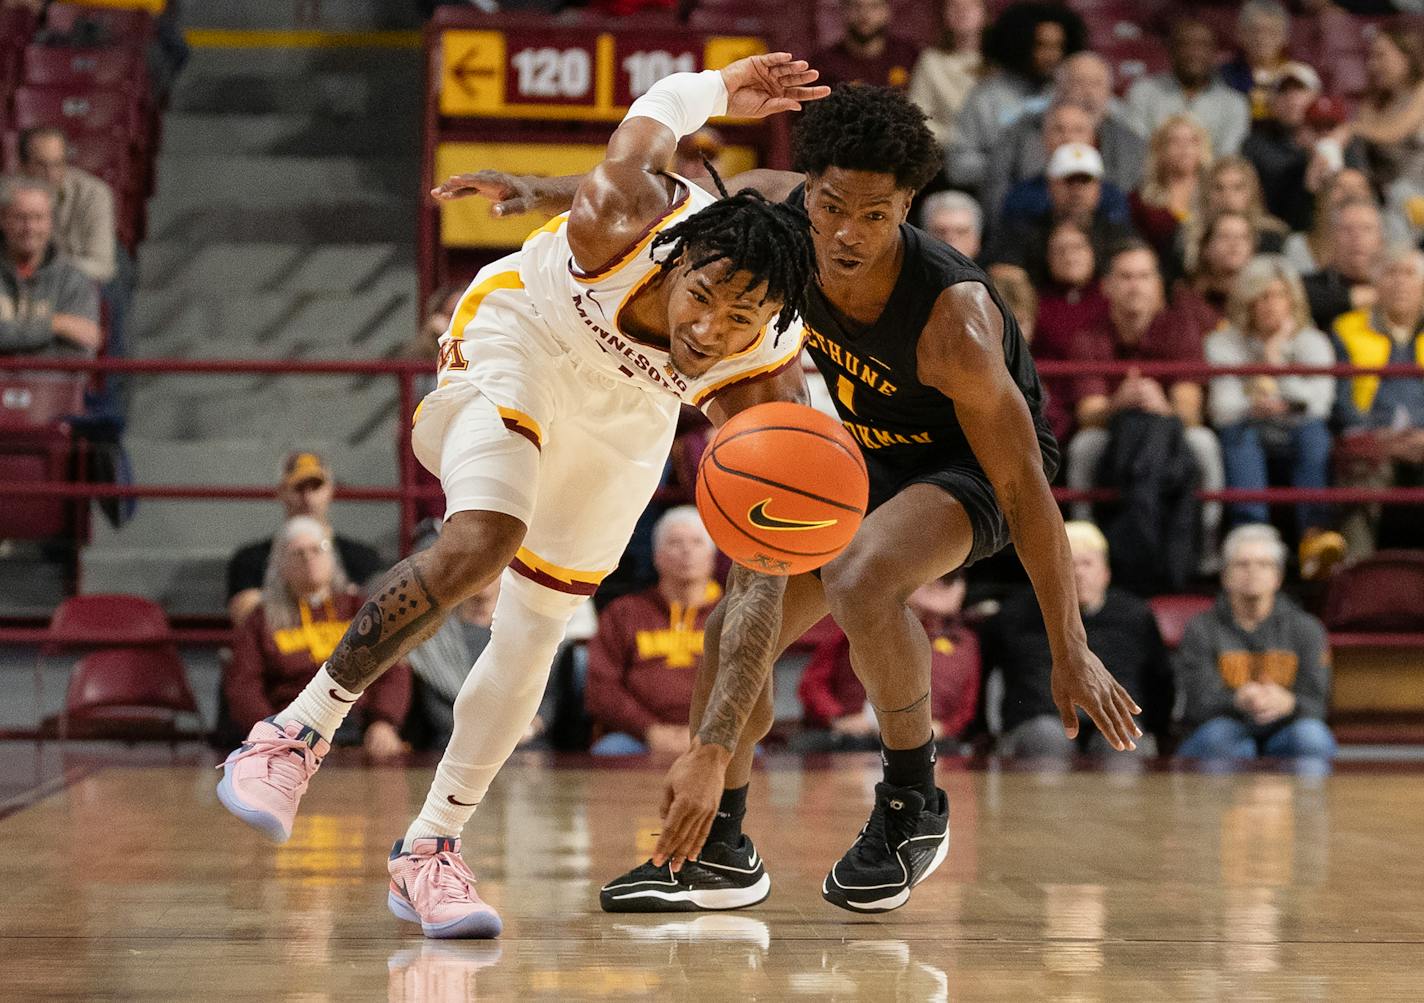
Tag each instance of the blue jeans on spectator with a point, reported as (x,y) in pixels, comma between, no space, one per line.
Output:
(1244,455)
(1228,738)
(618,743)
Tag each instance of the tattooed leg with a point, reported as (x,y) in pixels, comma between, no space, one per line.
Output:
(412,600)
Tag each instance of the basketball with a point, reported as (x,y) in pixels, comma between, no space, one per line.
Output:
(782,488)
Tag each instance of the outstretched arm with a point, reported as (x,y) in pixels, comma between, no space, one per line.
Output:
(961,354)
(746,650)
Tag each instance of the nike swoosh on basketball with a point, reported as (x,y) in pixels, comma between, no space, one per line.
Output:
(451,799)
(334,696)
(758,516)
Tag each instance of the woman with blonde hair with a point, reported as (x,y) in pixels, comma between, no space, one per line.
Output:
(1178,158)
(1232,185)
(307,604)
(1261,419)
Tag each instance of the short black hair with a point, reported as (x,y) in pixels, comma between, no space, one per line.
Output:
(1008,41)
(861,127)
(770,241)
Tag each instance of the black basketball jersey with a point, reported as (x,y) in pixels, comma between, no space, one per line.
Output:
(873,372)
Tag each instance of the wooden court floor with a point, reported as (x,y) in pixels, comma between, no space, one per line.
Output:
(132,883)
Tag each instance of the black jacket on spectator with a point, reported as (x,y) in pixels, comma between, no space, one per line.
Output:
(1151,528)
(1328,293)
(1024,242)
(1123,633)
(1281,162)
(246,567)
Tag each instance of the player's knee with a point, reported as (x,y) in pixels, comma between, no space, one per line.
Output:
(471,551)
(861,585)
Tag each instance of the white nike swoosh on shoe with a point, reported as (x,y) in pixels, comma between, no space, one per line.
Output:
(754,858)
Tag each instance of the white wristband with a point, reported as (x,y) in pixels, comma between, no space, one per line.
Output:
(683,102)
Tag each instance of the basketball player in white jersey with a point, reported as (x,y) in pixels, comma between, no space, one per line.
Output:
(560,381)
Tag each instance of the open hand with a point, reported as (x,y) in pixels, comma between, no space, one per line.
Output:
(511,194)
(763,85)
(1082,681)
(690,797)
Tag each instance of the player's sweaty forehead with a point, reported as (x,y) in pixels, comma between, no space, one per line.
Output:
(718,282)
(859,189)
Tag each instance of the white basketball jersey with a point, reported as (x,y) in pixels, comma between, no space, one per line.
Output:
(583,310)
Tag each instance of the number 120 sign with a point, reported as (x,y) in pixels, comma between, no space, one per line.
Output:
(560,73)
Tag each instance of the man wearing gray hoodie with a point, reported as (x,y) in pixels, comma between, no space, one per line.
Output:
(1255,669)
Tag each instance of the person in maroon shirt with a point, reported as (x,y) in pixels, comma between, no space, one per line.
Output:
(307,604)
(868,53)
(643,661)
(1070,302)
(837,714)
(1214,258)
(1140,325)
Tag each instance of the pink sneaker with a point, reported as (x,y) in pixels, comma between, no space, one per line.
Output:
(264,778)
(431,885)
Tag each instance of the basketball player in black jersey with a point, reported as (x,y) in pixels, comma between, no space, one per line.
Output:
(931,375)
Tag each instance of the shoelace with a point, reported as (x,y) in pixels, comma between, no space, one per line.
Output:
(452,877)
(878,831)
(287,771)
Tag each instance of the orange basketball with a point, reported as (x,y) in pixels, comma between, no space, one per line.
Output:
(782,488)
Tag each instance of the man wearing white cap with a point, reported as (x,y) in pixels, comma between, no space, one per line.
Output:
(1075,192)
(1291,151)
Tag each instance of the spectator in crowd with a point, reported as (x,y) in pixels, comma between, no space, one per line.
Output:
(1261,417)
(1140,325)
(1254,671)
(1285,147)
(696,150)
(1024,48)
(1192,87)
(1081,113)
(425,346)
(305,606)
(1262,32)
(1216,256)
(838,715)
(1070,301)
(1020,297)
(1075,192)
(867,52)
(1332,39)
(1232,185)
(1309,251)
(1121,631)
(84,205)
(47,305)
(956,219)
(1390,121)
(642,663)
(948,70)
(441,663)
(1178,156)
(1383,417)
(1347,281)
(306,488)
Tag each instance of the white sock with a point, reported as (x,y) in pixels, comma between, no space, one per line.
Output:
(322,706)
(497,701)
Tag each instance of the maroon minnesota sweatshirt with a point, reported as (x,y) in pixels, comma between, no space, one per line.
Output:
(643,661)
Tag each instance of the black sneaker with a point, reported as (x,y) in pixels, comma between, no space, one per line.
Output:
(725,877)
(899,847)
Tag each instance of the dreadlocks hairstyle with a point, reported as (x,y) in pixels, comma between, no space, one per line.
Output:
(770,241)
(860,127)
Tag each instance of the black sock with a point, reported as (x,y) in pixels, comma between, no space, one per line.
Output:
(911,768)
(727,826)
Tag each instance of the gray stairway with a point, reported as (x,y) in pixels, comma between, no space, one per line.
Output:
(283,227)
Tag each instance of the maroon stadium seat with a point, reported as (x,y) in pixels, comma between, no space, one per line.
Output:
(30,404)
(127,693)
(106,619)
(80,111)
(130,28)
(1173,613)
(17,24)
(1381,593)
(55,66)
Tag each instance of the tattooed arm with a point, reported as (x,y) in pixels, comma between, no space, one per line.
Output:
(748,647)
